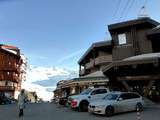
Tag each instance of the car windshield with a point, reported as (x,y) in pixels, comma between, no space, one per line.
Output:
(86,92)
(111,97)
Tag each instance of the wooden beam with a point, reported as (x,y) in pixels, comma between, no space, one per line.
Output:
(126,85)
(142,77)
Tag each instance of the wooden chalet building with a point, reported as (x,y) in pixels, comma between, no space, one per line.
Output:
(95,58)
(136,56)
(129,62)
(10,72)
(90,70)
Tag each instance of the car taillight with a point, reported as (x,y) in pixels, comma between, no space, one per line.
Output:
(73,103)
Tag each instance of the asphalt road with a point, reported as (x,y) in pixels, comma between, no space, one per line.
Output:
(51,111)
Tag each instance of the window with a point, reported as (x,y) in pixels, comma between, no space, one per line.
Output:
(102,91)
(6,83)
(122,39)
(86,92)
(99,91)
(129,96)
(93,92)
(124,96)
(134,95)
(111,97)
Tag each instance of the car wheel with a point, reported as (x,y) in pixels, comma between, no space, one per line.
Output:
(139,107)
(109,111)
(83,106)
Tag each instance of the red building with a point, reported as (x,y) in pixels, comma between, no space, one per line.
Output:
(10,70)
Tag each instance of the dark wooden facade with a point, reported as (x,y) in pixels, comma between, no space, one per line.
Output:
(131,60)
(9,69)
(135,32)
(95,58)
(136,56)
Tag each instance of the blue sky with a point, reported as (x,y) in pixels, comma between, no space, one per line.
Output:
(57,32)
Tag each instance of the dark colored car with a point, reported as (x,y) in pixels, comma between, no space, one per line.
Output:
(4,99)
(63,101)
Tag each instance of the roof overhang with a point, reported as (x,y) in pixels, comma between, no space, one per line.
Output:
(9,52)
(135,60)
(85,81)
(94,46)
(154,33)
(135,22)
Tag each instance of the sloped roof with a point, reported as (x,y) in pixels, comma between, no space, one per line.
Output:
(139,59)
(143,56)
(9,52)
(10,49)
(95,45)
(94,74)
(155,30)
(133,22)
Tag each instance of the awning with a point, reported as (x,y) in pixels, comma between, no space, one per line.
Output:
(135,60)
(94,74)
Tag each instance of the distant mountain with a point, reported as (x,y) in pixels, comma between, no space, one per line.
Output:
(43,80)
(52,76)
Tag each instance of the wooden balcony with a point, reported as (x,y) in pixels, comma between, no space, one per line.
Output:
(10,68)
(90,64)
(15,79)
(99,60)
(82,72)
(7,88)
(10,78)
(103,59)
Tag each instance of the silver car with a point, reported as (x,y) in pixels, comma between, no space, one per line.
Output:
(116,102)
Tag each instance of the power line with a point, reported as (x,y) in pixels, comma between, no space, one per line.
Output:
(129,8)
(145,2)
(143,10)
(124,9)
(117,9)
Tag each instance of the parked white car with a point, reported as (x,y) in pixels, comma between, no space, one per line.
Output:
(82,100)
(116,102)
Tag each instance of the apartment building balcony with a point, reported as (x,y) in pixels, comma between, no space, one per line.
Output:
(12,78)
(16,79)
(103,59)
(7,88)
(10,68)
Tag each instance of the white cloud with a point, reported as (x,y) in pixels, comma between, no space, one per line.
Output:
(70,56)
(40,90)
(43,73)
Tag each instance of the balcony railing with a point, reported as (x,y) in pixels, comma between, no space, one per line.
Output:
(7,88)
(10,78)
(103,59)
(82,72)
(90,64)
(10,68)
(99,60)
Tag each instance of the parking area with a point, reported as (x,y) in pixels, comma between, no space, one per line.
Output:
(51,111)
(150,112)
